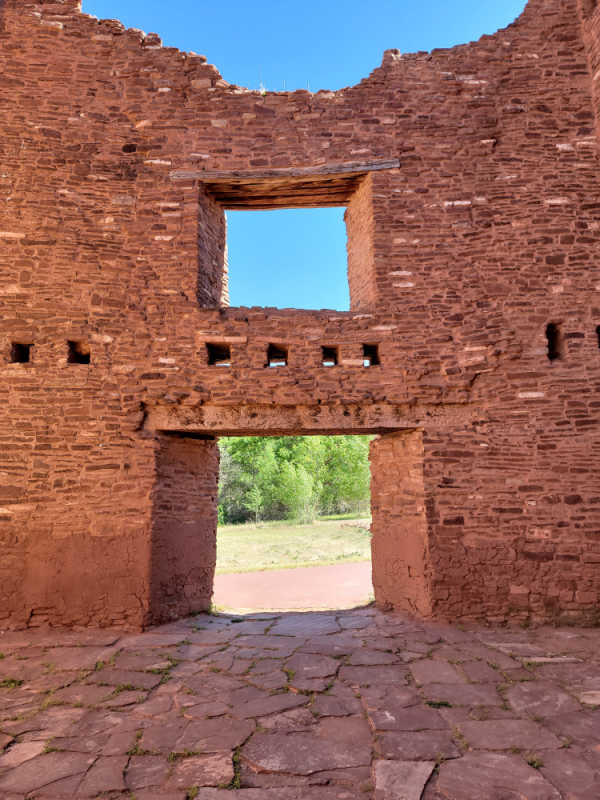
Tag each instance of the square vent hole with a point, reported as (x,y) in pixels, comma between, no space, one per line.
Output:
(371,355)
(329,356)
(219,355)
(79,352)
(20,353)
(277,355)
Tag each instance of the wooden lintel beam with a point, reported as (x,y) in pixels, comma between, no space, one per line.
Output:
(254,176)
(274,186)
(250,196)
(233,205)
(284,191)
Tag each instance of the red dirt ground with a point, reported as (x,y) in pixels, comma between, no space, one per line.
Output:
(305,588)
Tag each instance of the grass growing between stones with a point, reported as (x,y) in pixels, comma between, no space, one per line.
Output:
(10,683)
(285,545)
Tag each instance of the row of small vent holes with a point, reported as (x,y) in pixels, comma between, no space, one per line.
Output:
(219,355)
(77,353)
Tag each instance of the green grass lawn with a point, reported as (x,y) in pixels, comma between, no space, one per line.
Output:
(282,545)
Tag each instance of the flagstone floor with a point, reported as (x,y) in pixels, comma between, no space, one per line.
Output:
(345,705)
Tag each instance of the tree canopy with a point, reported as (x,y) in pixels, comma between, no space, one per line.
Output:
(292,477)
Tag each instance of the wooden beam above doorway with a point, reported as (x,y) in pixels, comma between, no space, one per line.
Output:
(291,187)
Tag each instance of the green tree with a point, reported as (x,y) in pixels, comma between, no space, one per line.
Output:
(346,484)
(254,501)
(293,476)
(234,482)
(298,494)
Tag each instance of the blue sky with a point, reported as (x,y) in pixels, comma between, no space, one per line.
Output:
(298,45)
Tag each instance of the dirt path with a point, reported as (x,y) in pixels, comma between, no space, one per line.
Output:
(306,588)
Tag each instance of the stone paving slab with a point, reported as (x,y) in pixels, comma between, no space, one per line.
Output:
(401,780)
(541,699)
(418,745)
(463,694)
(492,776)
(508,734)
(568,772)
(315,706)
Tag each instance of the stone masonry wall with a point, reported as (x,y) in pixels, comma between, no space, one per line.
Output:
(401,563)
(459,258)
(183,552)
(361,261)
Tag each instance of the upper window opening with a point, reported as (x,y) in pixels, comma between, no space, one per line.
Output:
(329,356)
(293,255)
(370,355)
(598,334)
(79,353)
(20,353)
(555,341)
(293,258)
(219,355)
(277,355)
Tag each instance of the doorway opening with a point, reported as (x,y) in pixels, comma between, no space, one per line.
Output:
(183,544)
(294,523)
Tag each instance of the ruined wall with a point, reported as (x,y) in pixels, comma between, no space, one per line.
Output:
(590,17)
(360,227)
(459,257)
(183,546)
(401,562)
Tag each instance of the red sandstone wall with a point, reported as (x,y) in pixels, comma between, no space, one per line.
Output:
(360,227)
(211,270)
(486,232)
(590,22)
(401,562)
(183,552)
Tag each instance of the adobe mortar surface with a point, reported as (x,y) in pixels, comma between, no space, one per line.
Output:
(343,705)
(481,231)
